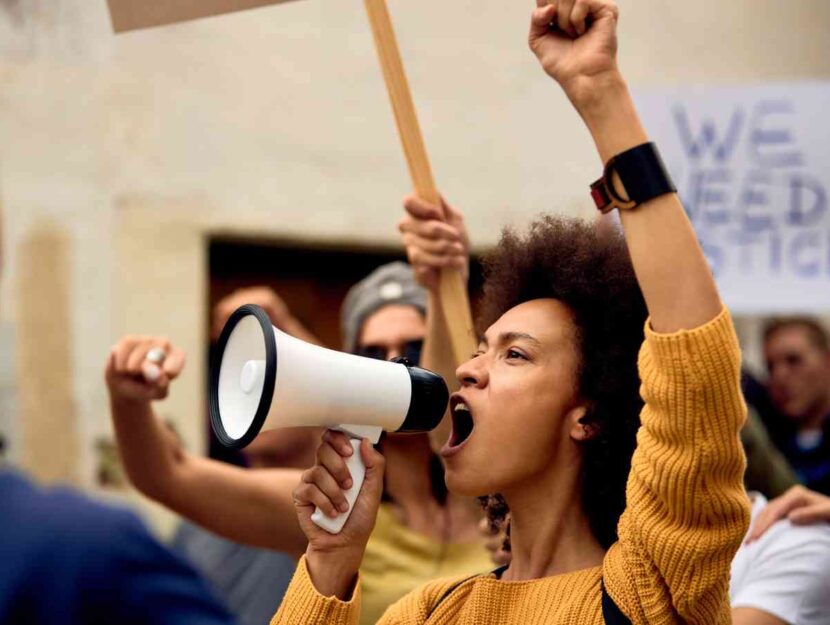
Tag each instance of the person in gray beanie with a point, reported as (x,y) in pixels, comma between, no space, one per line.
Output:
(389,285)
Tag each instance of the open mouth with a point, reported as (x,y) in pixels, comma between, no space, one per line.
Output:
(462,423)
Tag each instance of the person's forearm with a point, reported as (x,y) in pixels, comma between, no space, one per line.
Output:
(251,506)
(148,452)
(438,357)
(673,273)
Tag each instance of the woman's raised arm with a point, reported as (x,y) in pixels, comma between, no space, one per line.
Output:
(576,43)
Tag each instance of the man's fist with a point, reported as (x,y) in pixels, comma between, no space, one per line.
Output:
(140,368)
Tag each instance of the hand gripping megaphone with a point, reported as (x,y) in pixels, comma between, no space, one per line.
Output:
(262,378)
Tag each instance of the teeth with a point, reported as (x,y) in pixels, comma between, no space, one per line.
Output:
(461,407)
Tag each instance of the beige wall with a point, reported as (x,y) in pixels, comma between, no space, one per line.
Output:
(274,122)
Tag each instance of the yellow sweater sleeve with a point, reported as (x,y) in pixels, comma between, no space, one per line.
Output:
(303,605)
(687,511)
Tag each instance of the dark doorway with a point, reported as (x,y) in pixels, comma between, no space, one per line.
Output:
(312,280)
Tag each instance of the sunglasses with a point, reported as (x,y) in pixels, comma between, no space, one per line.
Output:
(411,350)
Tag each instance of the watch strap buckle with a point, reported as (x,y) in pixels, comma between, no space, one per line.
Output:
(642,174)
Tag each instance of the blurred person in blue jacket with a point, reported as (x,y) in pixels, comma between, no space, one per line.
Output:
(66,559)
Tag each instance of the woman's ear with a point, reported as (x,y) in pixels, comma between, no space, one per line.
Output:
(580,430)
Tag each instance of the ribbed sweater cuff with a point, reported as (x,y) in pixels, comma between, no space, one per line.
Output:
(706,352)
(303,605)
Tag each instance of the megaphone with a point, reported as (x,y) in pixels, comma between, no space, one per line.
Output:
(262,378)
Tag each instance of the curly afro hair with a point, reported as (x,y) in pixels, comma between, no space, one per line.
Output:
(589,271)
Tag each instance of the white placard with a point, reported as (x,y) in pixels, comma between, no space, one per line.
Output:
(752,165)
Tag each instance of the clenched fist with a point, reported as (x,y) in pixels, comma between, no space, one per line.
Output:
(140,368)
(576,43)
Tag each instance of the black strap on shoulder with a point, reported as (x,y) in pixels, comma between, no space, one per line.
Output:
(611,614)
(497,573)
(447,593)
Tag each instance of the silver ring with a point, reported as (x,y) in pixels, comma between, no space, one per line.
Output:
(156,355)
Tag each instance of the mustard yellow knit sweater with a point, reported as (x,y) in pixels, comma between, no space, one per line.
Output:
(686,516)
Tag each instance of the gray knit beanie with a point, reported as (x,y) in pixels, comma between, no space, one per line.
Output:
(390,284)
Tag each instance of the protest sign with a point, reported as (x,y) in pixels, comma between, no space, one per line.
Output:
(135,14)
(752,165)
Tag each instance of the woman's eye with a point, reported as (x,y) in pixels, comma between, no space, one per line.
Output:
(513,354)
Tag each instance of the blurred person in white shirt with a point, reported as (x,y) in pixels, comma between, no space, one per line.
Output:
(781,574)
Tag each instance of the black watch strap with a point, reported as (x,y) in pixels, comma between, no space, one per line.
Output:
(643,175)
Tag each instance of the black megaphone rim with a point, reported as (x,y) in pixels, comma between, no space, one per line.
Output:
(268,384)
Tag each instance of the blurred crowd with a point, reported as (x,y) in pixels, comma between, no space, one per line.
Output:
(238,530)
(619,491)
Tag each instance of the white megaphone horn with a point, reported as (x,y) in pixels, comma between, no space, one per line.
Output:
(262,378)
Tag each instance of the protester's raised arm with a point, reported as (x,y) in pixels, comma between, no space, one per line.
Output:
(250,506)
(580,54)
(686,509)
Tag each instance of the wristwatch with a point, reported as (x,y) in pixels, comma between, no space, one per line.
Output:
(643,176)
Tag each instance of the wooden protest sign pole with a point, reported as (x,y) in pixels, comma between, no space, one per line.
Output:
(454,299)
(136,14)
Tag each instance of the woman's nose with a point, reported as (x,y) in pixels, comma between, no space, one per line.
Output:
(472,372)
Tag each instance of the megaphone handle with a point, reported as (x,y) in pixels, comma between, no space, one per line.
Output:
(358,472)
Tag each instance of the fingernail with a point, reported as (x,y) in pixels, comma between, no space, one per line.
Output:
(347,484)
(344,506)
(151,373)
(347,450)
